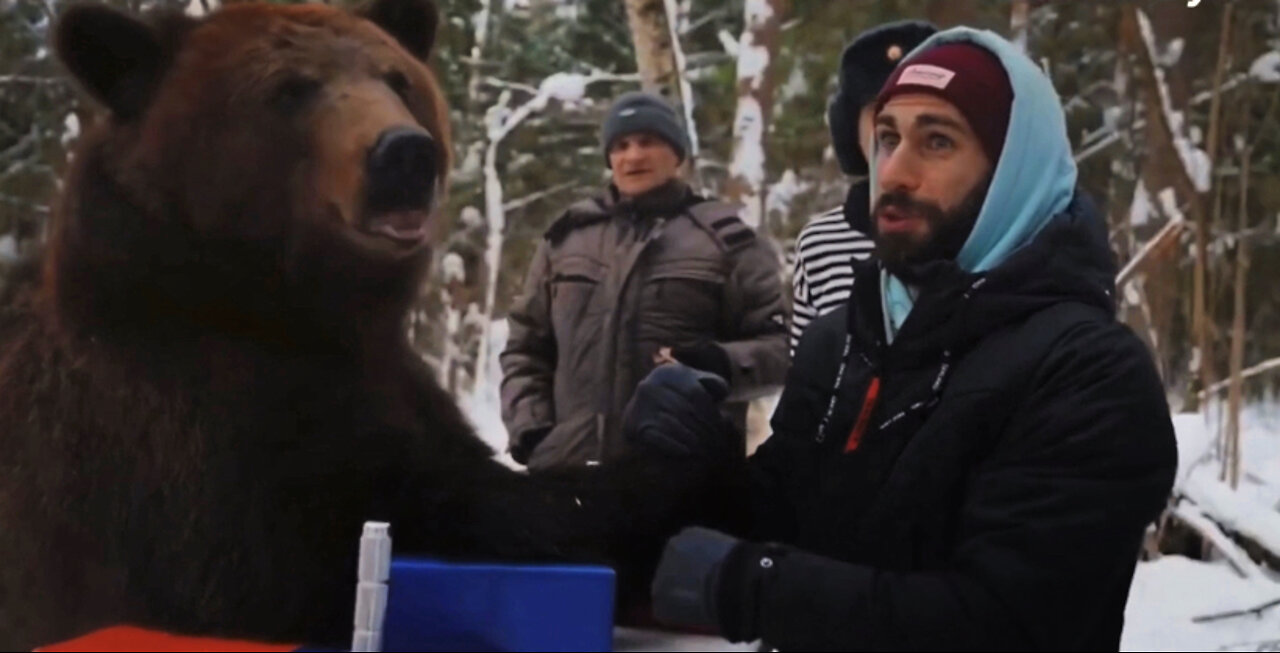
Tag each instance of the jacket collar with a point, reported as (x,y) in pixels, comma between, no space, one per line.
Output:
(1070,260)
(663,201)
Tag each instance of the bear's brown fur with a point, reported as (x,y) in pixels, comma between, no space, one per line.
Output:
(211,389)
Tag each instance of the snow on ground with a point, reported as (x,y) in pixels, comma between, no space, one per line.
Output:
(1166,593)
(1253,507)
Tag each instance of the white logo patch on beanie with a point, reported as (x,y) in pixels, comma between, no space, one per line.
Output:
(627,112)
(923,74)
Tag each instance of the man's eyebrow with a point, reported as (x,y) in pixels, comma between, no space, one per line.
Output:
(886,120)
(936,120)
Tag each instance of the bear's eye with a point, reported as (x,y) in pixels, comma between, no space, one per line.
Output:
(294,92)
(398,83)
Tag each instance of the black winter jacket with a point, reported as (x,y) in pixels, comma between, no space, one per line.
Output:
(982,483)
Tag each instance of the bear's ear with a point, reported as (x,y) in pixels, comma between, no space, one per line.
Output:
(412,22)
(117,58)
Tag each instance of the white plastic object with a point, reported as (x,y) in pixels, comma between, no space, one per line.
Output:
(372,573)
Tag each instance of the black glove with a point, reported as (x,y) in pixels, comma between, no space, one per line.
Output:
(674,410)
(524,445)
(708,578)
(705,356)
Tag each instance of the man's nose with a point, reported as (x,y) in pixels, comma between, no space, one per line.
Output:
(897,170)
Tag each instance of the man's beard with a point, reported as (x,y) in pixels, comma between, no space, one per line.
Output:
(946,234)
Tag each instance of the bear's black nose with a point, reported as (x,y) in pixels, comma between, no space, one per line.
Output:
(402,170)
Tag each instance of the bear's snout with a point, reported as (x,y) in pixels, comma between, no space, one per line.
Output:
(402,170)
(401,177)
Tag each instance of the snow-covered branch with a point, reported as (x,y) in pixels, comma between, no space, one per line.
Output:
(503,84)
(683,86)
(1171,230)
(1260,368)
(1190,514)
(1107,135)
(1195,162)
(500,121)
(566,87)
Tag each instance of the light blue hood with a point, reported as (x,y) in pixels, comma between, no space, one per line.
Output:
(1033,181)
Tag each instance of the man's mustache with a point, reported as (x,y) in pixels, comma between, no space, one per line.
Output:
(906,204)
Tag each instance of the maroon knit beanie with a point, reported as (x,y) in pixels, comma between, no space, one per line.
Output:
(968,76)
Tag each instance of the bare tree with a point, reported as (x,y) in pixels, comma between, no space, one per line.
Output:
(1174,171)
(1200,320)
(1231,462)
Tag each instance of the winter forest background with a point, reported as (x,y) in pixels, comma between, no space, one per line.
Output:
(1174,111)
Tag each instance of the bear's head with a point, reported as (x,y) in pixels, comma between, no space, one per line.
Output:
(263,154)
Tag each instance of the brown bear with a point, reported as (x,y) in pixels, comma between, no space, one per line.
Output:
(211,388)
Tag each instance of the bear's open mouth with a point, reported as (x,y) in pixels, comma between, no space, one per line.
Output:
(401,186)
(404,226)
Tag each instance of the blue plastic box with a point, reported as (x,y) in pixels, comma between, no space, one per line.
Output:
(445,606)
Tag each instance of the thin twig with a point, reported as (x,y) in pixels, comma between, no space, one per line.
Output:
(1105,137)
(1171,229)
(26,204)
(533,197)
(1255,611)
(706,18)
(28,79)
(500,83)
(1260,368)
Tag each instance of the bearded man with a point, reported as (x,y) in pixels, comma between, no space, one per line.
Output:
(967,455)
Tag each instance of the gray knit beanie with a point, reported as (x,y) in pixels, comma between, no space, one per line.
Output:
(637,112)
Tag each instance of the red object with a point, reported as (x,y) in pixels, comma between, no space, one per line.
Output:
(968,76)
(864,417)
(132,638)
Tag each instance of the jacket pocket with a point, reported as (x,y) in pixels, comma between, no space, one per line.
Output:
(682,302)
(575,280)
(572,442)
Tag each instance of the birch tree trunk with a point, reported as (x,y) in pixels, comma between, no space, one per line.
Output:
(655,32)
(1019,17)
(756,51)
(655,59)
(482,26)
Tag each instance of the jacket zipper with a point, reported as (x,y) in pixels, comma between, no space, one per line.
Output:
(612,326)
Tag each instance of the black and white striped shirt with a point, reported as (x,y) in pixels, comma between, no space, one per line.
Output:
(823,274)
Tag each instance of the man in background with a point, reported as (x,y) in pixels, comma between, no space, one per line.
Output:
(645,272)
(827,245)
